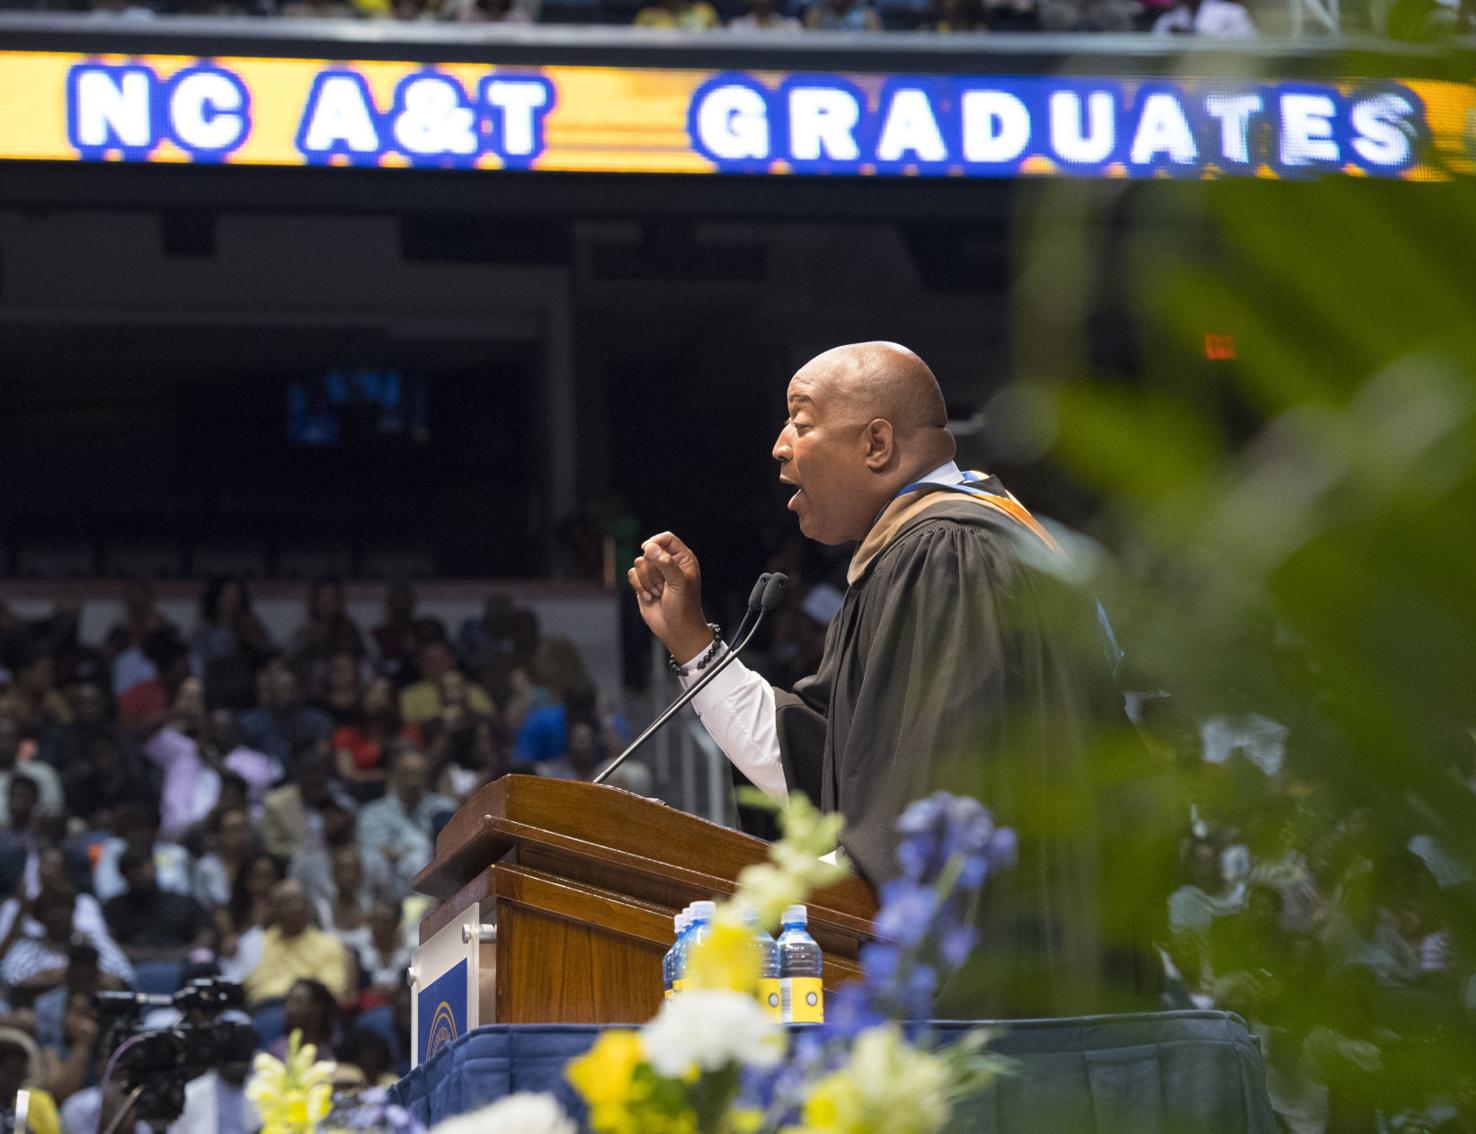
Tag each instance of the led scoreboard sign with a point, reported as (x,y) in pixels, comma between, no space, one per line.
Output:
(305,112)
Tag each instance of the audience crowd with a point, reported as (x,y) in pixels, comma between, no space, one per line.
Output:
(1339,947)
(1214,18)
(178,802)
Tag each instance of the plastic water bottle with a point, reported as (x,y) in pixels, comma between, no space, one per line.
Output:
(768,952)
(699,927)
(801,997)
(669,961)
(679,951)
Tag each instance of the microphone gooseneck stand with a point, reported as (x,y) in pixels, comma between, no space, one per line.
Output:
(769,592)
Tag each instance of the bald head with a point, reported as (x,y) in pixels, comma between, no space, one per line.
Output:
(881,380)
(864,421)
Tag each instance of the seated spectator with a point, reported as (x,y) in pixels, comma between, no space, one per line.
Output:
(37,701)
(241,926)
(83,979)
(555,669)
(312,864)
(394,641)
(841,15)
(359,747)
(584,758)
(92,716)
(484,641)
(108,779)
(141,617)
(952,16)
(281,723)
(227,627)
(294,949)
(72,1064)
(505,672)
(400,828)
(1218,19)
(50,868)
(311,1009)
(370,1053)
(43,776)
(87,1111)
(187,710)
(689,15)
(18,841)
(35,961)
(346,914)
(190,787)
(463,745)
(145,705)
(545,733)
(328,631)
(1192,910)
(233,844)
(137,825)
(343,693)
(21,1066)
(222,749)
(382,954)
(292,815)
(764,15)
(421,701)
(75,663)
(152,924)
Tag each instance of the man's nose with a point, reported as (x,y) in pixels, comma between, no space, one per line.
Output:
(781,452)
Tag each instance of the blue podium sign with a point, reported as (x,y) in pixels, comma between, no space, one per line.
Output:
(442,1011)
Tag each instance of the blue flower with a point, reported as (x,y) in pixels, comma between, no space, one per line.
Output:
(956,943)
(851,1010)
(907,912)
(1004,848)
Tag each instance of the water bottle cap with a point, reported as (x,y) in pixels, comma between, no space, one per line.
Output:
(679,921)
(795,915)
(703,911)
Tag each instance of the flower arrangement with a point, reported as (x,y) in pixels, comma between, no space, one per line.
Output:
(713,1061)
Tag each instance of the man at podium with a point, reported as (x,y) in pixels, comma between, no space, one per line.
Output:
(959,660)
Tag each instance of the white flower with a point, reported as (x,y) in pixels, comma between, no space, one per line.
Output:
(711,1028)
(521,1113)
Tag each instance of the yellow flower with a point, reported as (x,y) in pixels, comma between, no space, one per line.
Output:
(603,1077)
(889,1087)
(794,869)
(291,1097)
(727,959)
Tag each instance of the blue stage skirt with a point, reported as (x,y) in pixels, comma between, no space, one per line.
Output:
(1145,1073)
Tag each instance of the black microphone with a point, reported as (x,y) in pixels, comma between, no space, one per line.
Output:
(769,591)
(755,604)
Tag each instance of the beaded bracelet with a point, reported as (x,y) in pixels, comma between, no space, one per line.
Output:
(702,662)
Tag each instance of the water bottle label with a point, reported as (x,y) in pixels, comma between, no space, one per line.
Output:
(771,998)
(670,994)
(802,1000)
(677,986)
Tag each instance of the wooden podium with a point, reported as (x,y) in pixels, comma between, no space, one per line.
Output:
(564,894)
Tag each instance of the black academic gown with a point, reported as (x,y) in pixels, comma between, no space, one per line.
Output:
(956,664)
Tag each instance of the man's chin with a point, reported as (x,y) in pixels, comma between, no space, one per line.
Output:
(813,531)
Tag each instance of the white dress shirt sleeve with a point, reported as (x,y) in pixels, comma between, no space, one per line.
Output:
(737,710)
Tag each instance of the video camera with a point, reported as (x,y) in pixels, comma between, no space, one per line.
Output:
(161,1061)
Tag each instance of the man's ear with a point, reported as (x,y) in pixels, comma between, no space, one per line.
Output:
(880,444)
